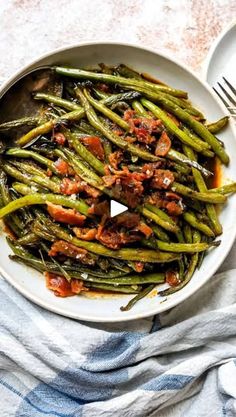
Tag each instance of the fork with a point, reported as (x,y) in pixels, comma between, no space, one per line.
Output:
(229,97)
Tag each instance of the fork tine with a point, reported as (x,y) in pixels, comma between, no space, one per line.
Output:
(222,98)
(230,86)
(227,94)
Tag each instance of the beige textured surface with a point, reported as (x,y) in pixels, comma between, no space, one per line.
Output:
(184,29)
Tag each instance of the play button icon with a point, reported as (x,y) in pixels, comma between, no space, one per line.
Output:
(117,208)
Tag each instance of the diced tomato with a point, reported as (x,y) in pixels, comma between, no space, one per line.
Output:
(103,87)
(77,286)
(100,209)
(145,229)
(61,166)
(69,187)
(173,196)
(49,173)
(172,278)
(94,145)
(85,233)
(163,145)
(162,179)
(59,138)
(58,284)
(127,220)
(128,114)
(139,266)
(115,158)
(174,209)
(69,216)
(72,251)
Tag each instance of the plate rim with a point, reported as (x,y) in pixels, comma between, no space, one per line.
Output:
(214,46)
(160,308)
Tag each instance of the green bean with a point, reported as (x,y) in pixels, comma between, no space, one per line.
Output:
(185,247)
(28,239)
(29,167)
(127,72)
(32,199)
(160,233)
(48,126)
(197,127)
(101,94)
(190,218)
(171,127)
(184,104)
(13,221)
(46,183)
(129,82)
(23,188)
(206,197)
(23,153)
(191,269)
(216,226)
(158,220)
(179,157)
(217,126)
(98,105)
(82,170)
(15,173)
(128,254)
(79,272)
(138,297)
(66,104)
(164,216)
(24,121)
(115,98)
(224,189)
(132,289)
(137,106)
(121,143)
(188,233)
(84,153)
(207,152)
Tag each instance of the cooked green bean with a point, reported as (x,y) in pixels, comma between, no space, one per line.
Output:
(216,127)
(206,196)
(24,121)
(185,247)
(129,82)
(32,199)
(158,220)
(84,153)
(190,218)
(190,271)
(211,211)
(224,189)
(138,297)
(115,98)
(48,126)
(66,104)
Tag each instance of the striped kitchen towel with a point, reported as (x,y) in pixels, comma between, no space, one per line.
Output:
(180,363)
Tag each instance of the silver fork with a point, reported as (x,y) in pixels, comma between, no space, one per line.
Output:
(229,97)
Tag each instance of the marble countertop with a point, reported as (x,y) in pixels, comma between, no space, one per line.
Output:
(185,29)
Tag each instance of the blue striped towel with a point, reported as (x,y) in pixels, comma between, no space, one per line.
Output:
(180,363)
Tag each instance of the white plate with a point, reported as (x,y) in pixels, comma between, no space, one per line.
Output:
(221,59)
(31,284)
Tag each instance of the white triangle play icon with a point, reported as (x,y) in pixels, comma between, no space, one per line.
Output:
(117,208)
